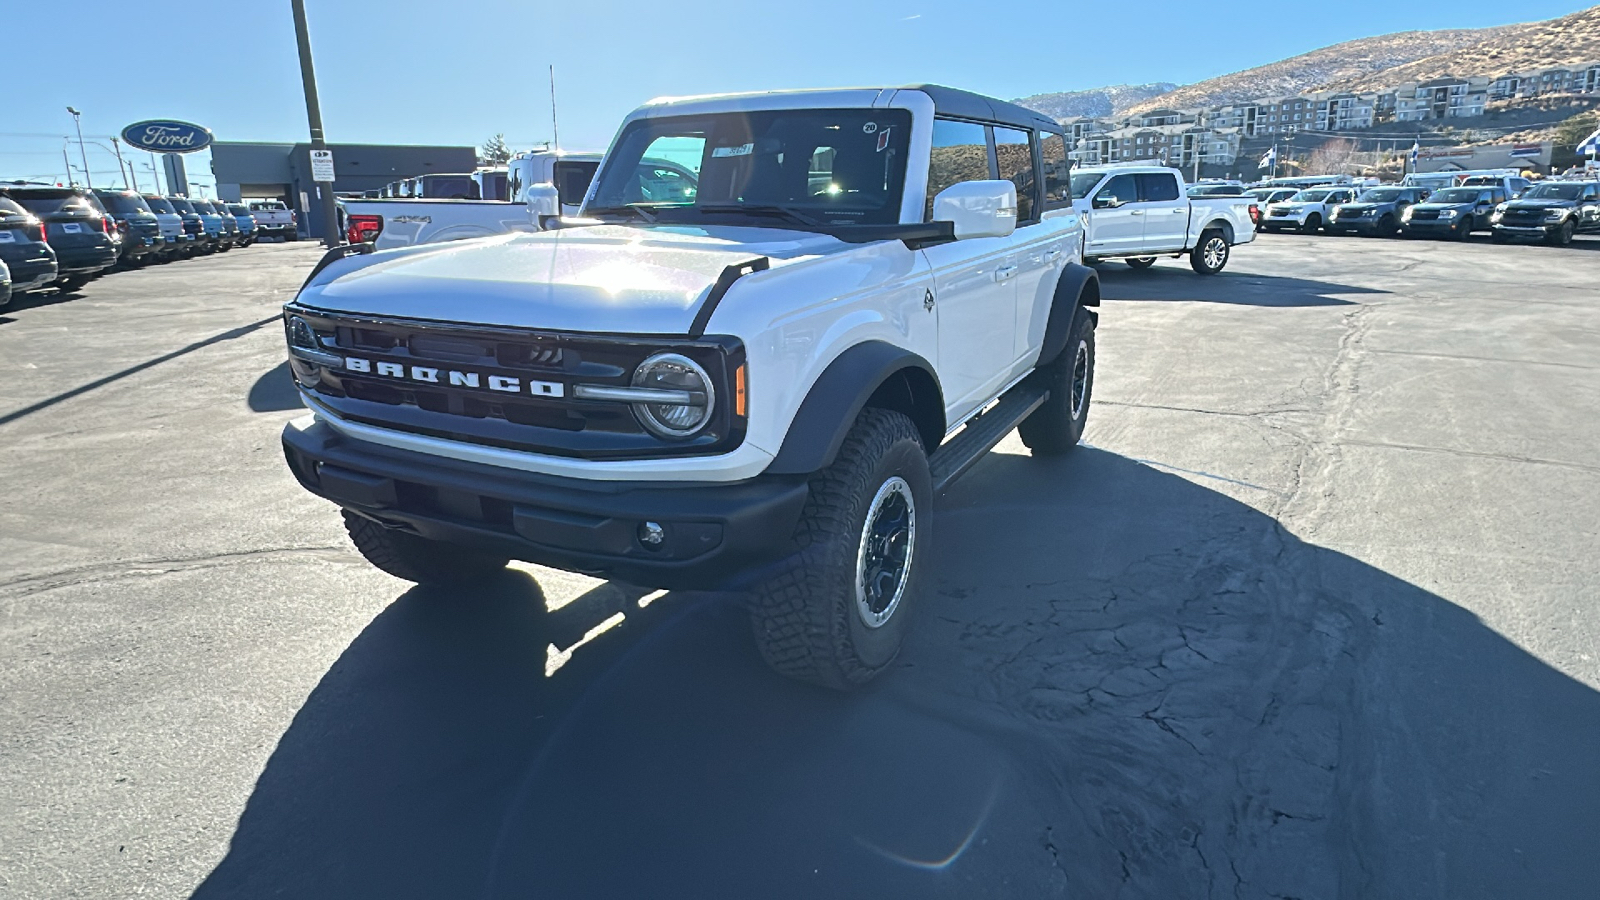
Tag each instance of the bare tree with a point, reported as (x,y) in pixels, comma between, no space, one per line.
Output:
(1332,157)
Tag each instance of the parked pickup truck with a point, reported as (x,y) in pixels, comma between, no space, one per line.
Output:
(542,183)
(274,219)
(759,386)
(1136,213)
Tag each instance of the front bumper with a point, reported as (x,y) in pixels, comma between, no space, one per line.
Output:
(1436,226)
(1540,232)
(1362,225)
(717,535)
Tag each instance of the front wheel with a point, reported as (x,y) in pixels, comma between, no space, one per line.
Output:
(1057,425)
(1563,235)
(836,612)
(1312,225)
(416,558)
(1140,262)
(1499,237)
(1210,253)
(1387,226)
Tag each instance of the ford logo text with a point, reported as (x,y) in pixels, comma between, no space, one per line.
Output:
(164,136)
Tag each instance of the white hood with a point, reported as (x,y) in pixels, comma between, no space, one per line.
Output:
(602,278)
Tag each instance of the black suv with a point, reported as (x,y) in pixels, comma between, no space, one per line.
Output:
(141,232)
(85,240)
(1553,211)
(1453,212)
(1377,211)
(23,248)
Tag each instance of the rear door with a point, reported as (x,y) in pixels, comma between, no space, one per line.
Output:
(1166,211)
(1115,221)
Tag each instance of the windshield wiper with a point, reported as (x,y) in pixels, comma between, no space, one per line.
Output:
(625,209)
(760,209)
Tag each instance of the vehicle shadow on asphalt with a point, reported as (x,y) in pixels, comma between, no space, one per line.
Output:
(1121,683)
(33,300)
(274,391)
(1172,283)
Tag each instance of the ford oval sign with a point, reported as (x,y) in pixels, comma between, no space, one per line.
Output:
(166,136)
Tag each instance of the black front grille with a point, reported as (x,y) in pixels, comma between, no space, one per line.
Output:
(1424,215)
(482,385)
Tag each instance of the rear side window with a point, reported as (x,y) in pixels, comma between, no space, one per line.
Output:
(960,153)
(10,207)
(1057,171)
(1013,152)
(1156,186)
(572,179)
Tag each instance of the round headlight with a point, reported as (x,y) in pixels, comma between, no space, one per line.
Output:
(679,375)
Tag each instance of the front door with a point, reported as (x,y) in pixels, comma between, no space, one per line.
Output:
(1115,220)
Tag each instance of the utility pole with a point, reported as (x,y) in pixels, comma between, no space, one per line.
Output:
(127,172)
(82,154)
(308,76)
(64,162)
(555,130)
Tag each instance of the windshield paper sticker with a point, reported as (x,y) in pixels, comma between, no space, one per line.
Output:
(883,139)
(741,150)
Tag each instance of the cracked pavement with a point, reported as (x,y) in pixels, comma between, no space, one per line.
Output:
(1312,615)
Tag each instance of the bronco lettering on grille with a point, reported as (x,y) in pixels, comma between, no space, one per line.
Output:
(505,384)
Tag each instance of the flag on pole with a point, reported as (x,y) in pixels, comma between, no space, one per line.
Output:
(1270,159)
(1590,145)
(1415,149)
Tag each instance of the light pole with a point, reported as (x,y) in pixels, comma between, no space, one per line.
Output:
(65,163)
(127,171)
(88,179)
(308,77)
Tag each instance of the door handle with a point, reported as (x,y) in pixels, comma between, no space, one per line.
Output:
(1135,212)
(1004,272)
(1179,212)
(1052,255)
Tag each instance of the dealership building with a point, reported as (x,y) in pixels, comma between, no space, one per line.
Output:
(283,171)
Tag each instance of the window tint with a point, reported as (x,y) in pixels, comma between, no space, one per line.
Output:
(1014,152)
(10,207)
(1057,171)
(960,153)
(1122,187)
(572,179)
(159,204)
(124,204)
(450,187)
(238,209)
(44,203)
(1154,186)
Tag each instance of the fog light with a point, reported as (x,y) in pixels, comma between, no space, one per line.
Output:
(652,535)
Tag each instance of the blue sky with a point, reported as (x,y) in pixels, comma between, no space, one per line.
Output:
(406,71)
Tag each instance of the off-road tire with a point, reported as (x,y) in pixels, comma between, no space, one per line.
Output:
(1140,262)
(805,617)
(1312,225)
(1057,425)
(1204,258)
(418,559)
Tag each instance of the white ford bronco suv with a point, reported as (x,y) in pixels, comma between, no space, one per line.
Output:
(759,385)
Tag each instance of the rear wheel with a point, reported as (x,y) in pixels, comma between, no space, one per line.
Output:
(1210,253)
(1140,262)
(1312,225)
(415,558)
(836,613)
(1057,425)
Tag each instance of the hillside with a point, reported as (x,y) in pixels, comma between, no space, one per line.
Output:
(1105,101)
(1374,58)
(1557,42)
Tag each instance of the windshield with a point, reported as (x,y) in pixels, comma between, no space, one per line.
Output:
(268,206)
(159,204)
(843,166)
(1381,195)
(1084,182)
(44,203)
(124,204)
(1571,190)
(238,209)
(181,205)
(1311,196)
(202,207)
(1455,195)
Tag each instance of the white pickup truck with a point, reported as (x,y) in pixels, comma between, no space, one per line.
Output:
(759,384)
(541,183)
(1137,213)
(274,219)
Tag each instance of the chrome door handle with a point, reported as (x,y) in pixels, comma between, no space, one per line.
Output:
(1004,272)
(1135,212)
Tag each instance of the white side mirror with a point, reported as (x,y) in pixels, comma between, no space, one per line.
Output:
(543,200)
(978,208)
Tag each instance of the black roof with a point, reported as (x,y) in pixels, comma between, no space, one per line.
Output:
(967,105)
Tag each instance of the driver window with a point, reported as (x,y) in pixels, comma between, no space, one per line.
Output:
(960,153)
(1121,187)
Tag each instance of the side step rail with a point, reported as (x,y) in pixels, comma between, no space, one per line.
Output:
(955,456)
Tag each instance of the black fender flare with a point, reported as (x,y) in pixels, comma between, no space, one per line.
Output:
(837,397)
(1077,283)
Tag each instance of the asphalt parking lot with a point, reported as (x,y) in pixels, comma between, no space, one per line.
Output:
(1313,615)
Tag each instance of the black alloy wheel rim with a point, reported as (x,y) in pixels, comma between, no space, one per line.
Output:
(883,562)
(1080,379)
